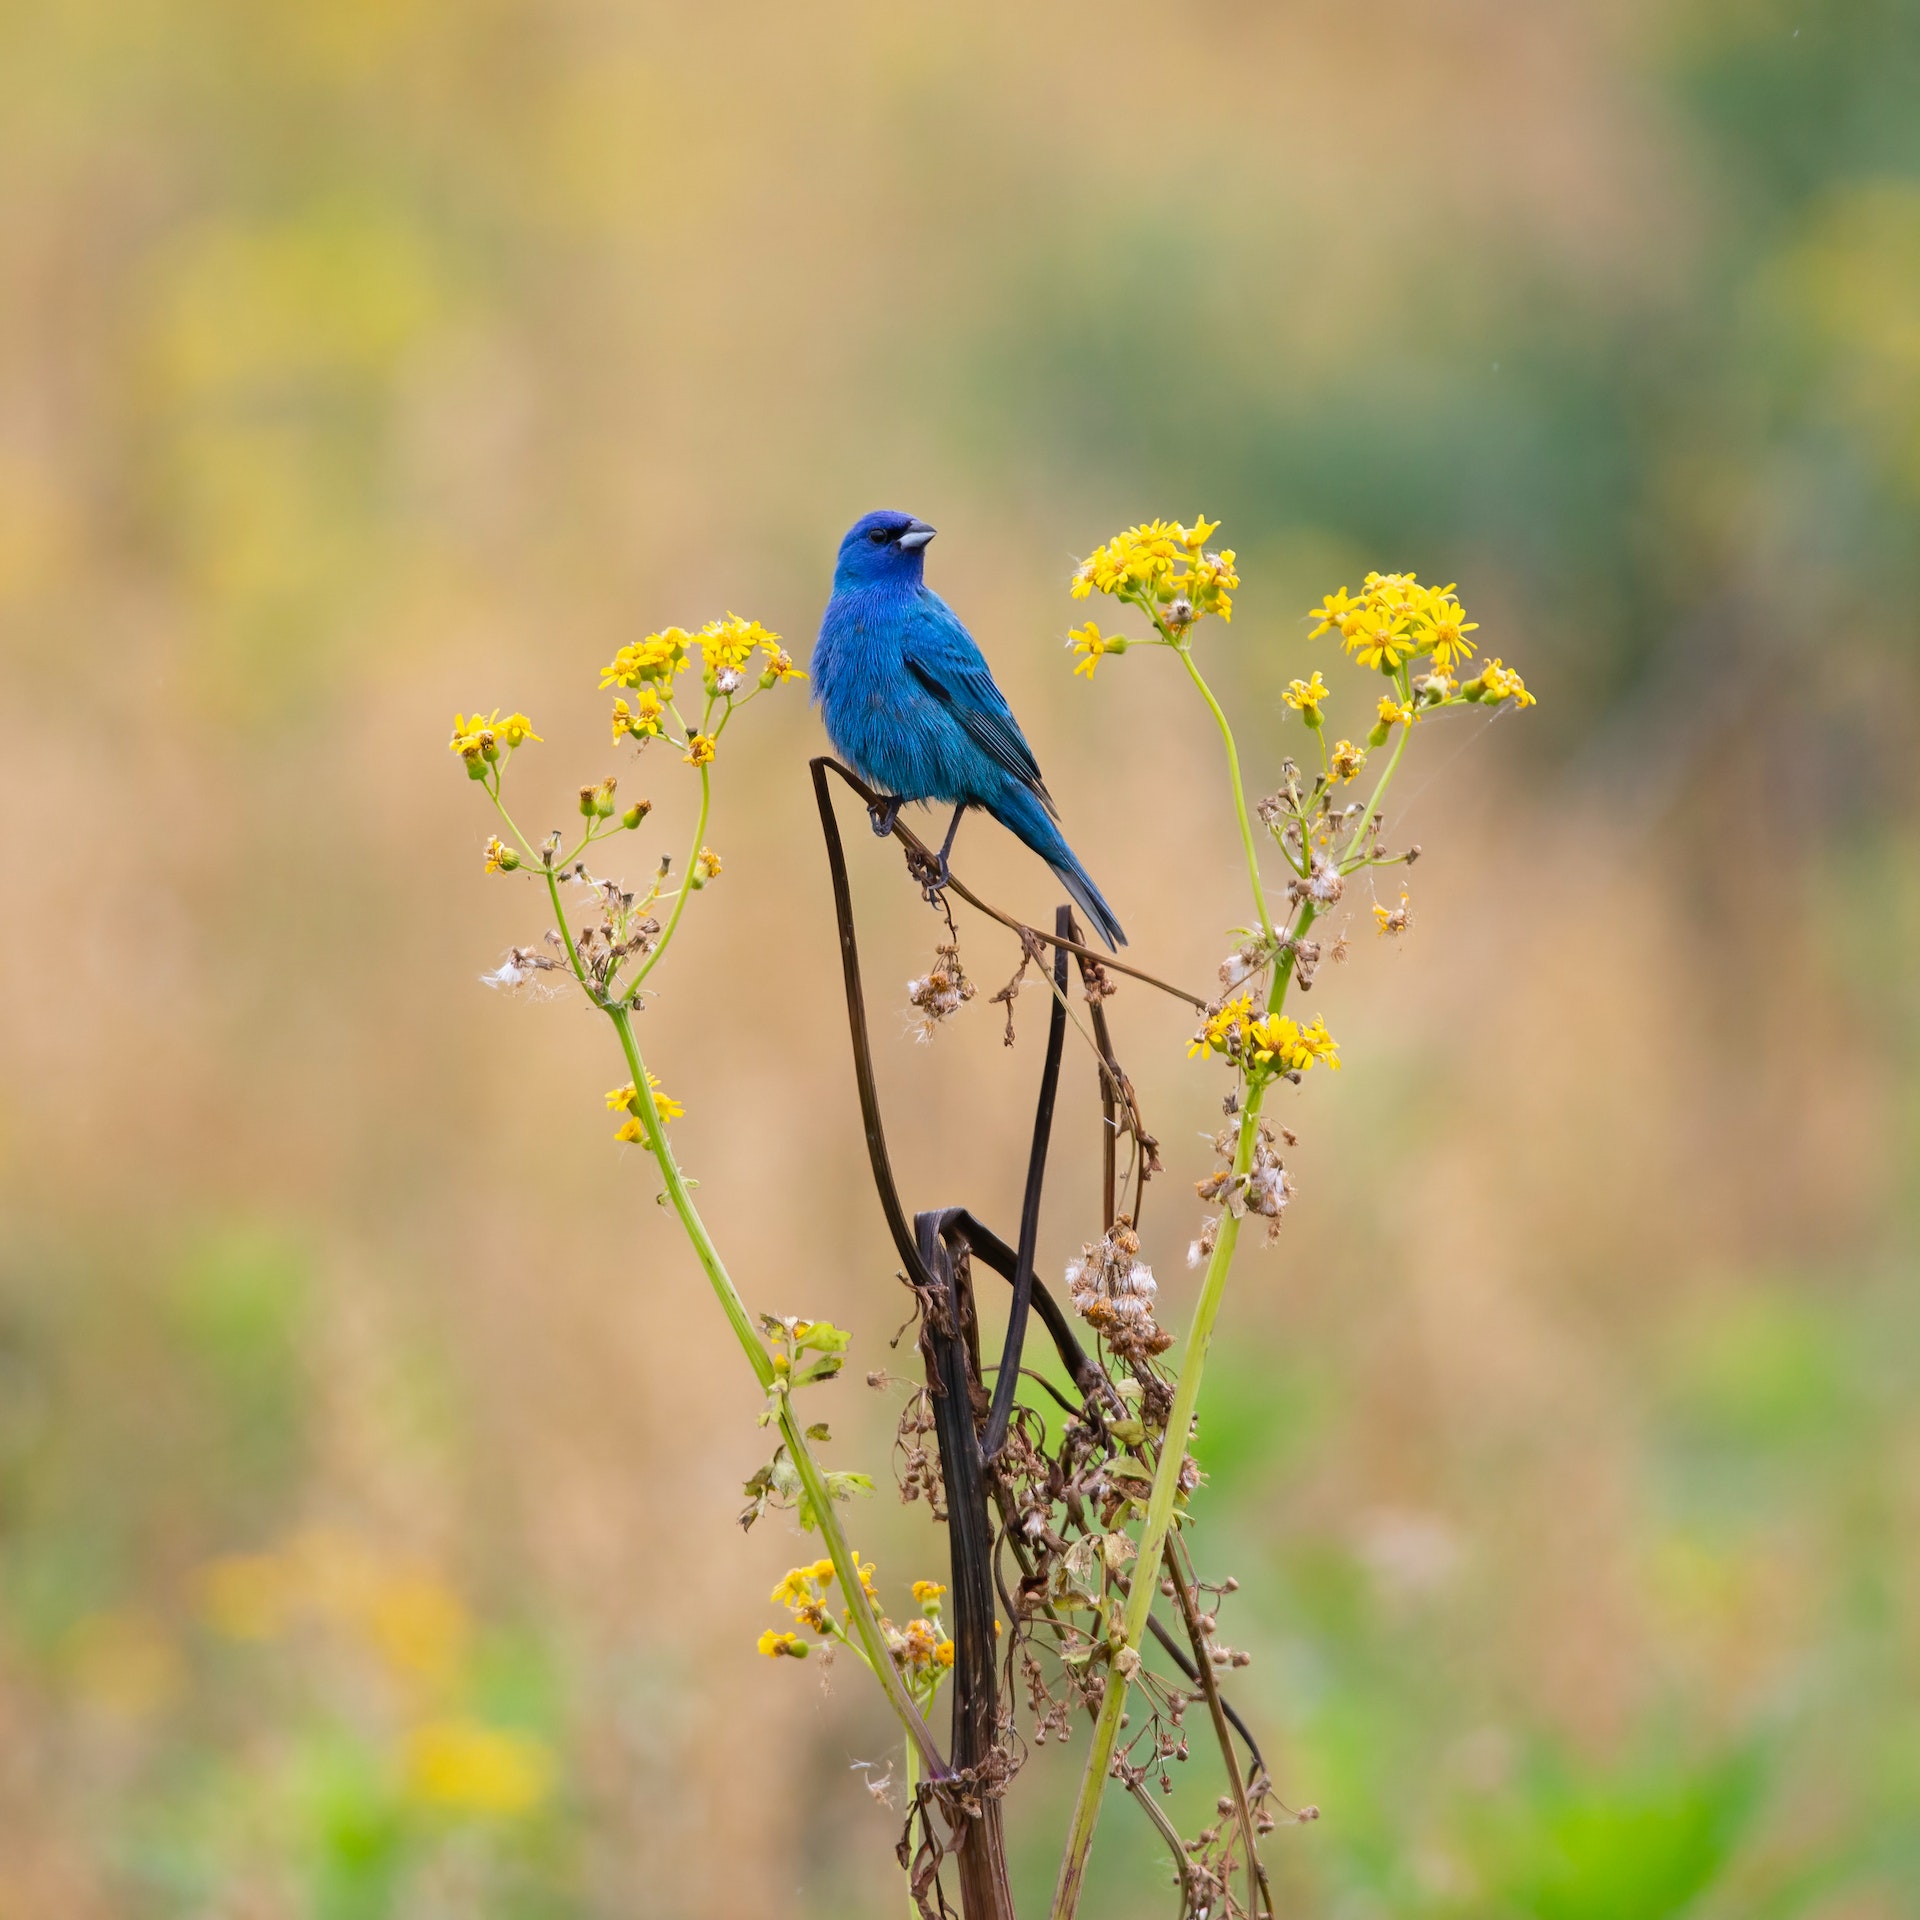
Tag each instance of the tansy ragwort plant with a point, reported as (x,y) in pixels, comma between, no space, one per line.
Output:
(610,960)
(1413,639)
(1090,1512)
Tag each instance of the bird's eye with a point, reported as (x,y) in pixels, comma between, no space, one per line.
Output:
(879,536)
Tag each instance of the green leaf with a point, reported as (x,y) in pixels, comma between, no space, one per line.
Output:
(818,1431)
(822,1335)
(840,1486)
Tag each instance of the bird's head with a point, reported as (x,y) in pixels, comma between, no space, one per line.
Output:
(880,547)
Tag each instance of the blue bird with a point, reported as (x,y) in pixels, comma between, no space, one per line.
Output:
(909,703)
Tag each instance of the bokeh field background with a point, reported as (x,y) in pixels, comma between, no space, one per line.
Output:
(369,1446)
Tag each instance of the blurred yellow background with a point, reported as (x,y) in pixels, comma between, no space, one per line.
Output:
(369,1446)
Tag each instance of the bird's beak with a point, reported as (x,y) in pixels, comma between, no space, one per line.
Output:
(916,535)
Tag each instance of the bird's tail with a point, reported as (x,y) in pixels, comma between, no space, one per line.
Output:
(1023,813)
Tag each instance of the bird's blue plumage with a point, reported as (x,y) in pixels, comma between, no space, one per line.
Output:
(909,702)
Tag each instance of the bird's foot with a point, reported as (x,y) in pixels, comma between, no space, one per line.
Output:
(883,813)
(929,870)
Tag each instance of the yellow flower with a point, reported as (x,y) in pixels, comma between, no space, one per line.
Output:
(1381,640)
(1336,610)
(708,864)
(1396,712)
(1392,919)
(943,1653)
(795,1589)
(699,751)
(925,1592)
(1206,586)
(1161,558)
(1305,697)
(779,666)
(658,657)
(622,1099)
(1347,760)
(469,1767)
(479,737)
(641,721)
(1223,1027)
(1447,626)
(1502,683)
(773,1644)
(1282,1041)
(474,738)
(822,1572)
(1093,646)
(501,858)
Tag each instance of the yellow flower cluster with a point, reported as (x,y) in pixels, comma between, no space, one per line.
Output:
(480,739)
(1163,562)
(1394,619)
(642,721)
(700,750)
(626,1100)
(1496,682)
(921,1647)
(724,649)
(658,657)
(1346,760)
(1273,1042)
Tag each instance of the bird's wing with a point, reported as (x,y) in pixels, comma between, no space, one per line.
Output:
(942,655)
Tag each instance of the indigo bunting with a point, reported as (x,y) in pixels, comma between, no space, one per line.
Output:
(909,703)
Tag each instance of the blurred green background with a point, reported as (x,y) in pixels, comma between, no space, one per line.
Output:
(369,1448)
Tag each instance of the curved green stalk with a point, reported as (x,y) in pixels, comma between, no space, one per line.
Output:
(1379,794)
(686,881)
(1239,792)
(1166,1479)
(860,1609)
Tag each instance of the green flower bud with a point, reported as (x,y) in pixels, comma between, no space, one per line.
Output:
(635,814)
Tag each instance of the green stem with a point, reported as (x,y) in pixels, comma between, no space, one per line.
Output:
(860,1609)
(1239,792)
(1379,794)
(1186,1394)
(1160,1507)
(913,1790)
(686,881)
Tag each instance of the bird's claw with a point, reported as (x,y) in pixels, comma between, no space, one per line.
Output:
(883,814)
(930,870)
